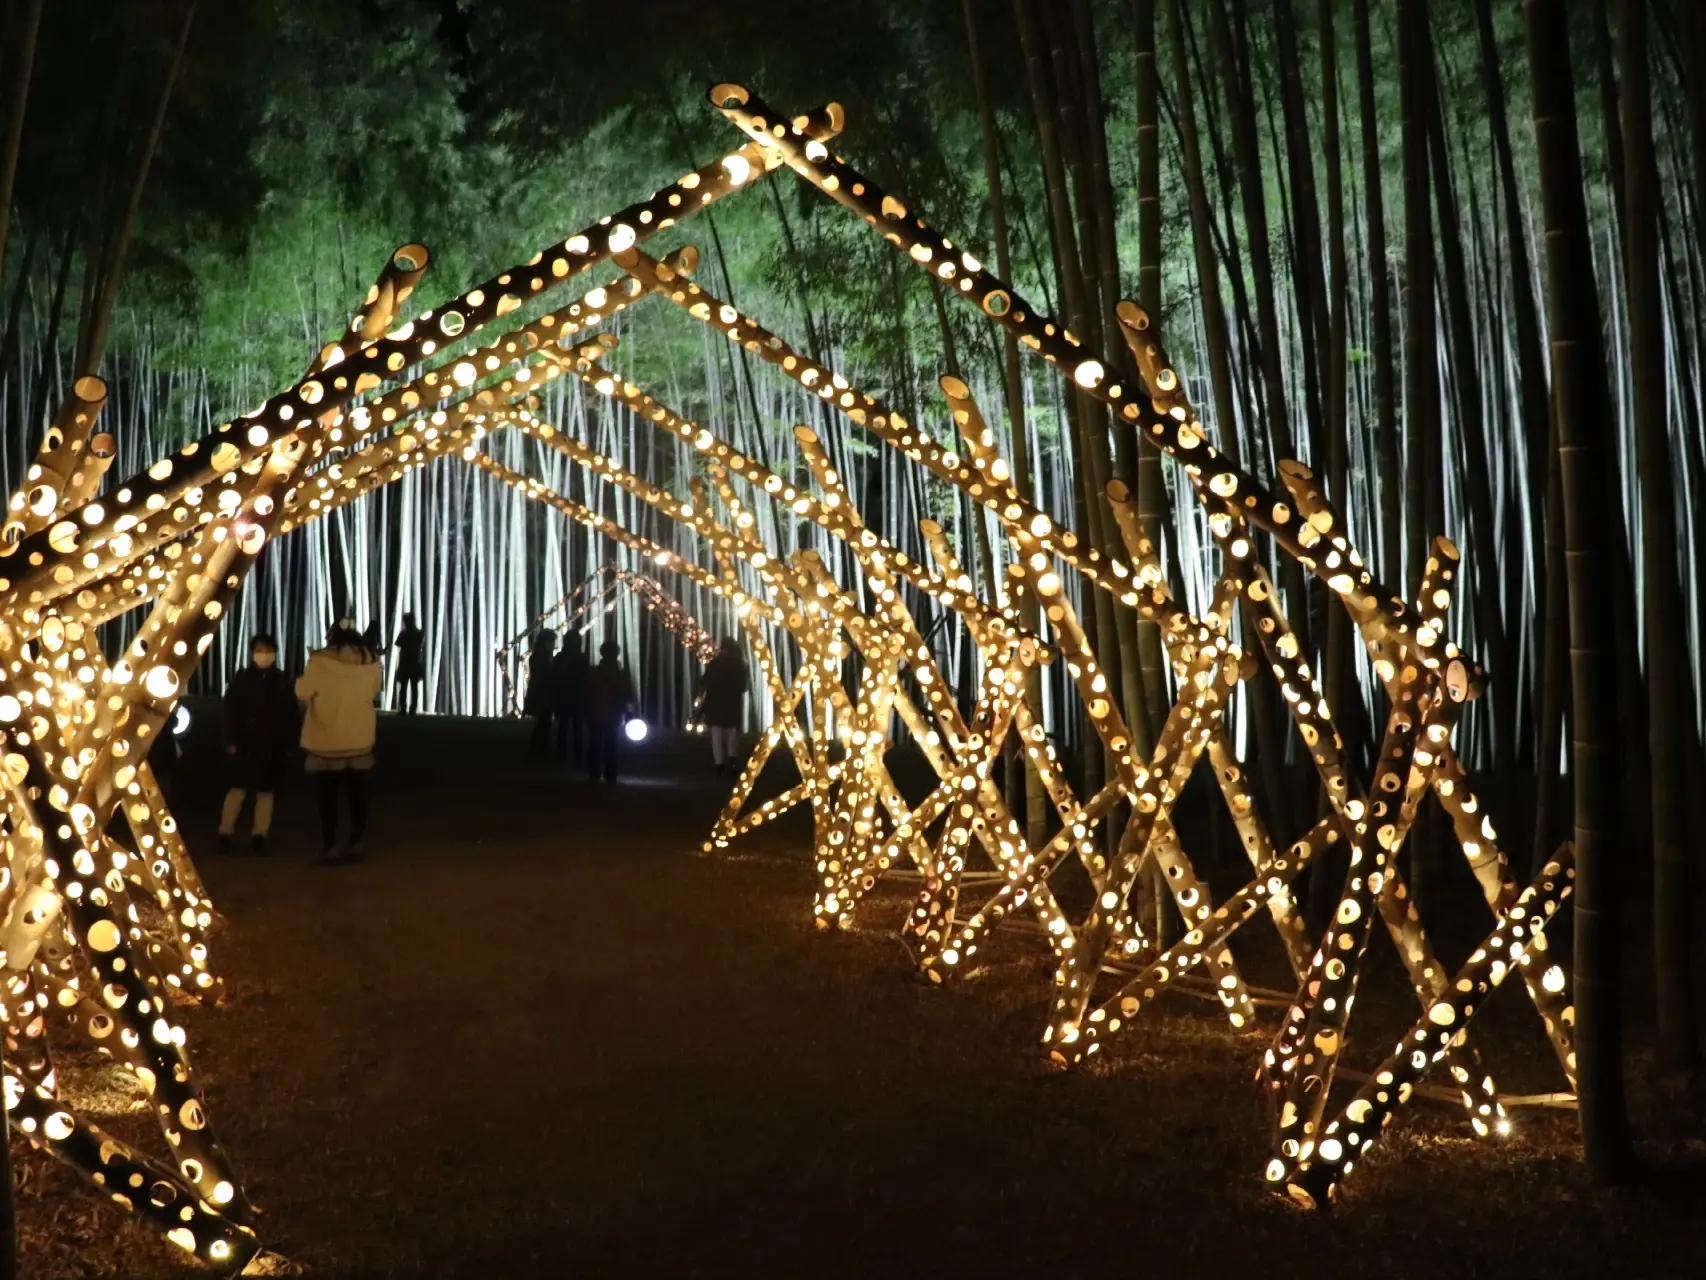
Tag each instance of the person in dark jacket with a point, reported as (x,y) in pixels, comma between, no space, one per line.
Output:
(411,665)
(609,698)
(540,699)
(260,725)
(568,678)
(722,691)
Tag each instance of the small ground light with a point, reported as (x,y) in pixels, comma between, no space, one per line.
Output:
(636,730)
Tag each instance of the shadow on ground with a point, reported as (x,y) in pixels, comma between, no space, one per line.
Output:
(534,1035)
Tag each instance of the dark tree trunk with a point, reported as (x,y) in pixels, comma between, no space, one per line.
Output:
(1380,307)
(1581,399)
(1669,686)
(14,142)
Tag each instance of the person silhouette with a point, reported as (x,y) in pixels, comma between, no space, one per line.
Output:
(540,700)
(609,699)
(568,676)
(722,689)
(260,720)
(411,665)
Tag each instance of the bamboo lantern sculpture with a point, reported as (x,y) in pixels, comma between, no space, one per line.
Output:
(105,925)
(104,934)
(1426,677)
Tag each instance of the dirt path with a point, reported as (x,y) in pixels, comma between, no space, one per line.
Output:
(532,1036)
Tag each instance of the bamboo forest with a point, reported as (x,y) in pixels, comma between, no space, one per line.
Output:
(1177,441)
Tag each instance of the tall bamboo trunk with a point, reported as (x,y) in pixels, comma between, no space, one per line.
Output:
(1636,810)
(1551,784)
(94,338)
(1581,398)
(1151,489)
(1380,307)
(1335,410)
(14,143)
(1423,516)
(1036,798)
(1218,342)
(1235,84)
(1669,686)
(1076,27)
(1472,431)
(1308,272)
(1215,333)
(1091,459)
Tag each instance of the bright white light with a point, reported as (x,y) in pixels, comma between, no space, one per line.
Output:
(180,720)
(737,167)
(636,730)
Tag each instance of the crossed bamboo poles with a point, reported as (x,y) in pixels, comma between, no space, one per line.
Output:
(181,535)
(1425,677)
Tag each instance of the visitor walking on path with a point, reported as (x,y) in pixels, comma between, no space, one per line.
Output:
(260,723)
(340,685)
(568,679)
(541,697)
(609,699)
(411,666)
(722,691)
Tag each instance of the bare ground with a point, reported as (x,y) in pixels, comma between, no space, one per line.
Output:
(534,1035)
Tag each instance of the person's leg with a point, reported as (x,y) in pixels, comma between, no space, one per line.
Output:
(594,749)
(577,740)
(541,738)
(231,811)
(356,781)
(612,744)
(562,737)
(263,813)
(328,783)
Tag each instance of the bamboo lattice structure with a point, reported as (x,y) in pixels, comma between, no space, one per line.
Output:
(106,926)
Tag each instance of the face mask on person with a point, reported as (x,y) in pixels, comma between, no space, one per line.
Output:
(263,658)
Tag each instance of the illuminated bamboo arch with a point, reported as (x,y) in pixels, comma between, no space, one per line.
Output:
(84,949)
(105,924)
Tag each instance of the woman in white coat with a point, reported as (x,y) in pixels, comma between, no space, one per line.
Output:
(340,684)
